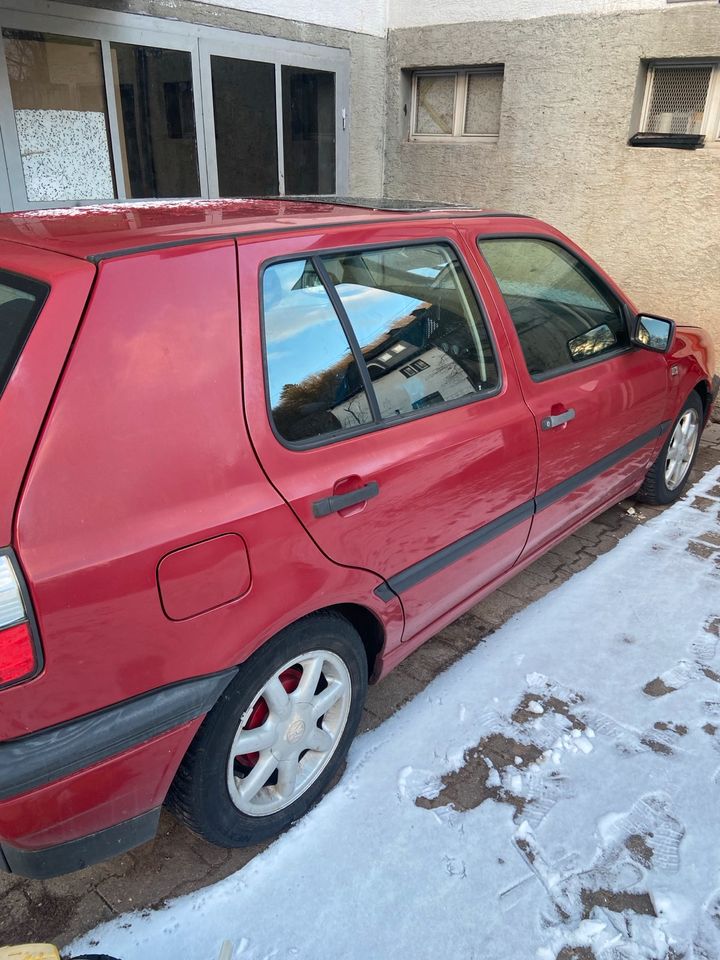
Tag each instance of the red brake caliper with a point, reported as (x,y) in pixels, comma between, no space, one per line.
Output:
(289,678)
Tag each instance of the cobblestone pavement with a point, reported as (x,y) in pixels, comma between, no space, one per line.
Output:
(178,862)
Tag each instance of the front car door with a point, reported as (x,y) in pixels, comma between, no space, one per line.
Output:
(599,403)
(388,420)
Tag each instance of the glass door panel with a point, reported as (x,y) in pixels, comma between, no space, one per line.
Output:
(156,119)
(58,99)
(308,110)
(245,126)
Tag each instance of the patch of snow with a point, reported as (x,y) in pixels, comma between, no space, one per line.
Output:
(614,850)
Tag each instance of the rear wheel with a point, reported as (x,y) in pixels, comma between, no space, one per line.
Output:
(278,735)
(667,478)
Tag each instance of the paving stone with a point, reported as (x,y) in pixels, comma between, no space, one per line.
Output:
(387,696)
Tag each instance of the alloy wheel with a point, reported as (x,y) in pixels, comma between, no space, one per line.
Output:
(287,736)
(681,450)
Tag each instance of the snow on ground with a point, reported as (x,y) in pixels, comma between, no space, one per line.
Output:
(554,794)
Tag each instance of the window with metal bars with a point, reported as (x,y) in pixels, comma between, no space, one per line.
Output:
(681,104)
(457,104)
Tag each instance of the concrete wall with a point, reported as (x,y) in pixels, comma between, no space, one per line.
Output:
(367,65)
(416,13)
(651,217)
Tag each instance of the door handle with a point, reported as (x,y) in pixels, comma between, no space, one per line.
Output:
(328,505)
(557,419)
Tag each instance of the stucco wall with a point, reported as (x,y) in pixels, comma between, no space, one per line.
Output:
(367,68)
(650,216)
(411,13)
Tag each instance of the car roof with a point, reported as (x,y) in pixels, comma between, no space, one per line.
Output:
(97,232)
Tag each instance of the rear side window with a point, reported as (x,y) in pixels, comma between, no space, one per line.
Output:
(418,338)
(20,302)
(308,355)
(561,310)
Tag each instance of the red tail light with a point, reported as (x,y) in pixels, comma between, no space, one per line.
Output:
(18,647)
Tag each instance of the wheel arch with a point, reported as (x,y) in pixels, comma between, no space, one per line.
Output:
(704,391)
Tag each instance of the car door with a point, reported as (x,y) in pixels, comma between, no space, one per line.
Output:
(388,419)
(599,402)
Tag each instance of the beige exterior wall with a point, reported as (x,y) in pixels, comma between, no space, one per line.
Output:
(651,217)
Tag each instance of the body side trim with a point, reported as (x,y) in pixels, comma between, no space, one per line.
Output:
(411,576)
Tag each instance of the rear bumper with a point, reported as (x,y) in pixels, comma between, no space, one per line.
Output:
(81,852)
(76,793)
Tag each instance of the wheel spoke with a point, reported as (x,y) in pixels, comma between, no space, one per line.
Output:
(310,678)
(252,741)
(326,698)
(276,697)
(258,776)
(319,740)
(287,777)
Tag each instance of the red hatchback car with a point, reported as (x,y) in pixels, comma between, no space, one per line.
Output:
(253,454)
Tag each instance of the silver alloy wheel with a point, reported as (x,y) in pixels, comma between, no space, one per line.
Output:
(296,740)
(681,449)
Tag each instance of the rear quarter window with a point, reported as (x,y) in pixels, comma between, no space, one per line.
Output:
(21,300)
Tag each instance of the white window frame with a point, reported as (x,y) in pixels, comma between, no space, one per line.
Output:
(710,127)
(462,76)
(45,16)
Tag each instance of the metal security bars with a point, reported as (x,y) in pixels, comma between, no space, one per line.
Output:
(682,98)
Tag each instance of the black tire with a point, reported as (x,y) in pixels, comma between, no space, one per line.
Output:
(655,489)
(200,794)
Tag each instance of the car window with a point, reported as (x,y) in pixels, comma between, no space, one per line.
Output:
(418,324)
(309,361)
(20,303)
(561,311)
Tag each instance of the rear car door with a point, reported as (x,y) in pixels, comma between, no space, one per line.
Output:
(388,419)
(599,403)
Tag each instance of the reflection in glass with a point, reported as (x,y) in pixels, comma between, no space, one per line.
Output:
(245,126)
(654,332)
(418,325)
(308,356)
(308,106)
(154,94)
(594,341)
(554,299)
(58,97)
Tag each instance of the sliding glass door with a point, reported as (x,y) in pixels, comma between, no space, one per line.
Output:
(102,111)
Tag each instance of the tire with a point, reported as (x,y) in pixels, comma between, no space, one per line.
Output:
(268,723)
(660,485)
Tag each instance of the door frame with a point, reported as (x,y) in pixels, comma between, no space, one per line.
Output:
(105,26)
(280,53)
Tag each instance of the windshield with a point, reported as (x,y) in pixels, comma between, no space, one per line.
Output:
(20,302)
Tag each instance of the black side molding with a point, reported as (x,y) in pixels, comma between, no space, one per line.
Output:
(561,490)
(55,752)
(418,572)
(80,853)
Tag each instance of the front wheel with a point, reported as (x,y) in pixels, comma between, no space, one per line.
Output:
(278,735)
(667,478)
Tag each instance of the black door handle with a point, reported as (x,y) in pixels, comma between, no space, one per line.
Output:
(322,508)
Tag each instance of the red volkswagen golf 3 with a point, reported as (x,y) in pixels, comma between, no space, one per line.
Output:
(253,454)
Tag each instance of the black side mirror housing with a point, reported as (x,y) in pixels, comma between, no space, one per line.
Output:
(653,333)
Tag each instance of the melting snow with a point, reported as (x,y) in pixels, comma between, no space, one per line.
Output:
(603,846)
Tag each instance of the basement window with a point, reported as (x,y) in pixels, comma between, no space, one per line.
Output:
(681,106)
(457,104)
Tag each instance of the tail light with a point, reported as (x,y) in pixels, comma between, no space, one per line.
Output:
(19,650)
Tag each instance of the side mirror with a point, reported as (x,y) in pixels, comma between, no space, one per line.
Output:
(653,333)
